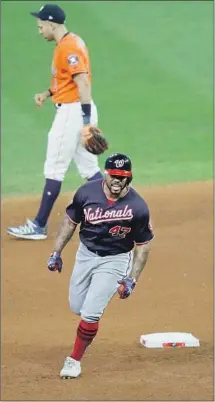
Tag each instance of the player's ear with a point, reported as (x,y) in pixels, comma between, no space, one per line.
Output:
(53,25)
(129,180)
(105,175)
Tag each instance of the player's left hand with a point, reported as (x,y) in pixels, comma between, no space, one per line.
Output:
(127,286)
(93,140)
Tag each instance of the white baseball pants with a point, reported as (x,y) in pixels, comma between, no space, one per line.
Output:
(64,143)
(94,281)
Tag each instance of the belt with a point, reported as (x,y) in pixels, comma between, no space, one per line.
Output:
(60,104)
(99,253)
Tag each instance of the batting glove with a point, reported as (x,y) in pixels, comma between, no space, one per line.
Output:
(55,262)
(127,286)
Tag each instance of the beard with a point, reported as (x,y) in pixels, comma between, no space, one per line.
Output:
(116,188)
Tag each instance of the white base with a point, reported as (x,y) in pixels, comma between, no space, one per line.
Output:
(169,340)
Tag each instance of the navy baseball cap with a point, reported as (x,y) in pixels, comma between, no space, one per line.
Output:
(118,165)
(50,12)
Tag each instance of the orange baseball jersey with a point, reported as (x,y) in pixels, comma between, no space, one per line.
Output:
(70,57)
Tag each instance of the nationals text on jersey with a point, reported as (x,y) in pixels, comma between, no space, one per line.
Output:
(98,216)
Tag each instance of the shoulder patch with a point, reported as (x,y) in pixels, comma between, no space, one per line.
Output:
(73,59)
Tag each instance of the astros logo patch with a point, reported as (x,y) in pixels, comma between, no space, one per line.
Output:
(73,60)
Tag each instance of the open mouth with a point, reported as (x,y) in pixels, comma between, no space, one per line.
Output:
(116,187)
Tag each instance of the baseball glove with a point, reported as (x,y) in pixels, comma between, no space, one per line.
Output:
(93,140)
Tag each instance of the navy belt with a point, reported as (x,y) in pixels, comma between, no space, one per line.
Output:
(99,253)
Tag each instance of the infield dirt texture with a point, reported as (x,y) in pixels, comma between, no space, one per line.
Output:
(153,83)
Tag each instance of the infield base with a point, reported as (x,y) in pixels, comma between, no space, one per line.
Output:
(169,340)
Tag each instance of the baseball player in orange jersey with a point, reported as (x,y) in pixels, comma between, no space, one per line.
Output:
(70,92)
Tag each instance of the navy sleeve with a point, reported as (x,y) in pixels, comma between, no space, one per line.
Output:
(143,228)
(75,209)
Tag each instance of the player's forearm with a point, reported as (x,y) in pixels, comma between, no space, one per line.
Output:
(141,254)
(84,88)
(65,233)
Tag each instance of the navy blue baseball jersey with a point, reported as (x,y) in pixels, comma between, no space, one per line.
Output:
(107,227)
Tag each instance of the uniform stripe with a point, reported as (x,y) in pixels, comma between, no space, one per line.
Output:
(129,263)
(86,330)
(145,242)
(90,334)
(75,223)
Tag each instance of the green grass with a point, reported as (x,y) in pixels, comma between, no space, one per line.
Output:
(152,67)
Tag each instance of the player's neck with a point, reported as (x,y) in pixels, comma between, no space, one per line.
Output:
(60,32)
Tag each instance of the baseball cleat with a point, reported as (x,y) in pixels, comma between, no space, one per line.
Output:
(71,368)
(30,231)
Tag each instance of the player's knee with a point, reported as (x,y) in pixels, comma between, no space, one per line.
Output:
(87,165)
(54,175)
(54,172)
(92,319)
(88,173)
(96,176)
(89,316)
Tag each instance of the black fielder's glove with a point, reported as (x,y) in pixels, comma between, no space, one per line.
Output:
(55,262)
(93,140)
(127,286)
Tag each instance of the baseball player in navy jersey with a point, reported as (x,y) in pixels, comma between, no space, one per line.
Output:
(115,235)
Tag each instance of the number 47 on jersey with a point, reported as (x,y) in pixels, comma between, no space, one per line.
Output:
(120,231)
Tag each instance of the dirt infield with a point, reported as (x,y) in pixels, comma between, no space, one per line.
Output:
(175,293)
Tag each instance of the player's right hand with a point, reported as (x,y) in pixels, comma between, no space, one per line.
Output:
(126,287)
(55,262)
(40,98)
